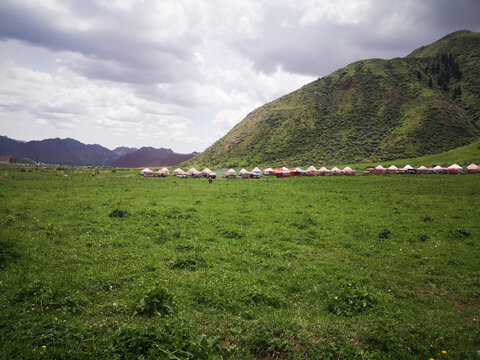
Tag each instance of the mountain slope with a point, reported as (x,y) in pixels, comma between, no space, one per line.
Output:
(123,150)
(148,156)
(371,110)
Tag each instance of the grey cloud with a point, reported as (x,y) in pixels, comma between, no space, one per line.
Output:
(390,29)
(116,42)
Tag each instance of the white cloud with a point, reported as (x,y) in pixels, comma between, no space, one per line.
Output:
(44,122)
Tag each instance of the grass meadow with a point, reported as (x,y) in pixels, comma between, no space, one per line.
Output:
(118,266)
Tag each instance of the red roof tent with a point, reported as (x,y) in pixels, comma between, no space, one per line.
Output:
(282,173)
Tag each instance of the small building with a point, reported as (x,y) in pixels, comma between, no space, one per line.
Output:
(347,170)
(421,170)
(379,170)
(392,169)
(473,169)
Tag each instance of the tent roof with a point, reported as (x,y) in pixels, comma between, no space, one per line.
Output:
(268,169)
(392,167)
(311,168)
(285,169)
(232,171)
(177,169)
(207,170)
(472,166)
(165,169)
(323,168)
(242,171)
(335,169)
(193,170)
(380,167)
(422,168)
(256,169)
(146,170)
(438,167)
(408,167)
(455,167)
(347,168)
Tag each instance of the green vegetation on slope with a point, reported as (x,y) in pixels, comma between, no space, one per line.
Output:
(371,110)
(123,267)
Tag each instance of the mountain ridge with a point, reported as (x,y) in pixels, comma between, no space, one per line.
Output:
(69,151)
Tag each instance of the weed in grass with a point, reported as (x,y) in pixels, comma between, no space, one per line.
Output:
(157,301)
(427,219)
(230,234)
(186,263)
(384,234)
(350,300)
(8,252)
(257,297)
(9,221)
(185,246)
(460,233)
(422,237)
(161,236)
(117,213)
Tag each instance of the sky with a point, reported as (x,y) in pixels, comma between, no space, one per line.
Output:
(180,74)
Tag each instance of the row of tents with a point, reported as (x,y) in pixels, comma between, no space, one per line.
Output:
(256,173)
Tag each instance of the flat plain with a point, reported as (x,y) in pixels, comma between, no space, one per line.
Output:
(118,266)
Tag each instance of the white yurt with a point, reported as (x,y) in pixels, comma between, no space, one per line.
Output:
(177,171)
(311,168)
(256,170)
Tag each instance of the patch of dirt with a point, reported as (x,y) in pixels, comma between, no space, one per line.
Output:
(349,83)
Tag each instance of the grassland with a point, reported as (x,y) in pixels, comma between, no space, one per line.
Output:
(122,267)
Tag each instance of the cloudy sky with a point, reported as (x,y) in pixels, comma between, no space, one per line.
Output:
(181,73)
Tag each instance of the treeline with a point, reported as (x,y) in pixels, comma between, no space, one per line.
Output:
(16,160)
(444,69)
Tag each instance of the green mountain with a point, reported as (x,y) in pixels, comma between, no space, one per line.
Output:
(372,110)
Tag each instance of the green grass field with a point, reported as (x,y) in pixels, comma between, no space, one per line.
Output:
(122,267)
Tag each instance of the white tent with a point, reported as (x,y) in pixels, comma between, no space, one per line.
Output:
(285,169)
(455,167)
(472,167)
(422,168)
(166,170)
(231,171)
(268,171)
(242,171)
(347,169)
(335,169)
(177,171)
(392,168)
(311,168)
(207,171)
(408,167)
(146,170)
(437,168)
(323,169)
(380,167)
(256,170)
